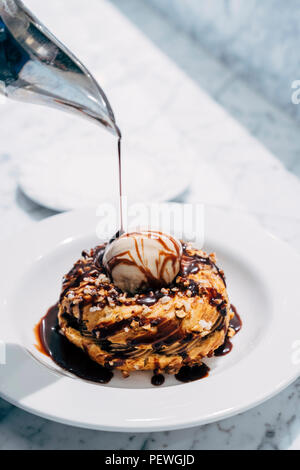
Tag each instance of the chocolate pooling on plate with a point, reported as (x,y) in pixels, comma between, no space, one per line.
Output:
(70,358)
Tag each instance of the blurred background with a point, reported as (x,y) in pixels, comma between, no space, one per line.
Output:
(205,94)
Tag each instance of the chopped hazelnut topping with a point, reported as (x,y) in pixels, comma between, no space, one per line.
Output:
(102,279)
(146,309)
(186,305)
(165,299)
(113,291)
(123,297)
(230,332)
(206,325)
(96,308)
(212,256)
(180,313)
(111,302)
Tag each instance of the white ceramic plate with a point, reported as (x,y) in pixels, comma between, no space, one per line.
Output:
(263,277)
(75,180)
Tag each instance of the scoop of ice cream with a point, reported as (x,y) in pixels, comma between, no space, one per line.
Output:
(141,260)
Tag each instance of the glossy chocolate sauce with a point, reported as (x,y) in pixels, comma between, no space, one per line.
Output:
(236,324)
(189,374)
(225,348)
(150,298)
(157,379)
(51,343)
(191,264)
(120,187)
(121,219)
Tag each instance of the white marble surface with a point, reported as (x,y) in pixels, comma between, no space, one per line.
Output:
(258,40)
(244,157)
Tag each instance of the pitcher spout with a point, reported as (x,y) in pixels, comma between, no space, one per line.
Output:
(36,67)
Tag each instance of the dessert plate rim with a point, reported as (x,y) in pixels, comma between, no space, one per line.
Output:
(154,409)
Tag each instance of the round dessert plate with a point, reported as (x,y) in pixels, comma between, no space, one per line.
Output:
(58,182)
(262,276)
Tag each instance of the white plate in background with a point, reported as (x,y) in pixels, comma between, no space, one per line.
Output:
(73,181)
(74,165)
(262,275)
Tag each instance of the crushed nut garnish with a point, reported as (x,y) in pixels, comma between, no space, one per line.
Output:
(186,305)
(165,299)
(230,332)
(180,313)
(96,308)
(102,279)
(146,309)
(206,325)
(111,302)
(212,256)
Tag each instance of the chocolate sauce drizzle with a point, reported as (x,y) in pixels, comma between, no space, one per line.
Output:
(92,266)
(157,379)
(236,324)
(191,264)
(225,348)
(72,359)
(120,186)
(189,374)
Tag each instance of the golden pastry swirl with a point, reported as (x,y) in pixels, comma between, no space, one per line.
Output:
(158,330)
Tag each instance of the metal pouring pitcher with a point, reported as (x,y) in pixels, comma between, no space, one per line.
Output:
(35,67)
